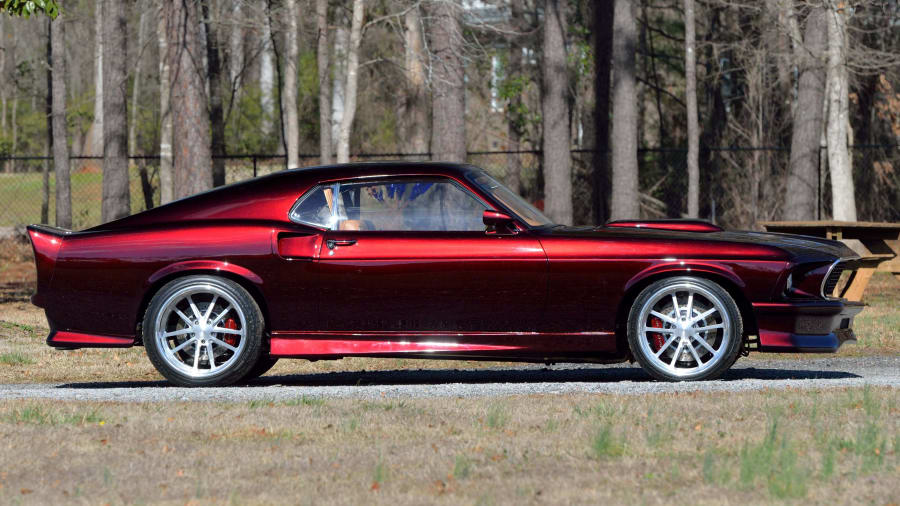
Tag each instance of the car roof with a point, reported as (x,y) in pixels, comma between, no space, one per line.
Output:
(387,168)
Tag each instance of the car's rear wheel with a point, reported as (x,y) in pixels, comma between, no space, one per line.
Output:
(685,328)
(203,331)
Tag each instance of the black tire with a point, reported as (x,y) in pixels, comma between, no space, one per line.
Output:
(722,343)
(238,360)
(262,366)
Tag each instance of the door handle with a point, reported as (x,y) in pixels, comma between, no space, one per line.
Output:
(332,243)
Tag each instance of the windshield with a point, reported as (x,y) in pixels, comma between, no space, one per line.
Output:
(509,199)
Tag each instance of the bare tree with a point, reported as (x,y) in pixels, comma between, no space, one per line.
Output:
(515,123)
(214,80)
(693,127)
(843,203)
(801,195)
(555,109)
(602,28)
(341,43)
(116,194)
(289,95)
(448,117)
(190,121)
(624,195)
(235,45)
(93,141)
(322,49)
(136,88)
(165,130)
(343,150)
(414,108)
(3,85)
(60,145)
(267,73)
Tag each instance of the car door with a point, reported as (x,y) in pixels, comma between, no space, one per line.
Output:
(412,255)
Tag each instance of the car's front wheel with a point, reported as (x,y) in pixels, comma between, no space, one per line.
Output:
(203,331)
(685,328)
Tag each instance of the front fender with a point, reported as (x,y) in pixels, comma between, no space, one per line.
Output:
(685,267)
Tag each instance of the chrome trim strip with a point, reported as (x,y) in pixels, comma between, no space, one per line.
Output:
(825,280)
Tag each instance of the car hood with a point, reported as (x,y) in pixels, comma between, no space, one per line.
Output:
(798,247)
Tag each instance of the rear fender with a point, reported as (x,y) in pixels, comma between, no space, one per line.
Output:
(46,242)
(204,265)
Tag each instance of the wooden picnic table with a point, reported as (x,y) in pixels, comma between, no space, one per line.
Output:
(877,244)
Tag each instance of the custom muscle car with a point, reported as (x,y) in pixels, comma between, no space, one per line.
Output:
(428,260)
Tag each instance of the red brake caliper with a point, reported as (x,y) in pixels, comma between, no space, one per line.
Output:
(658,340)
(230,338)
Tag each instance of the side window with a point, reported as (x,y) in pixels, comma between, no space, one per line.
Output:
(423,205)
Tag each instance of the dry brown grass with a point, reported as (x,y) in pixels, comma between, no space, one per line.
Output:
(823,447)
(23,330)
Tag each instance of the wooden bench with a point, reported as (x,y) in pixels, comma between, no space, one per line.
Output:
(877,244)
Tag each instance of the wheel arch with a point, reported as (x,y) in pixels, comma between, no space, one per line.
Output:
(243,277)
(638,283)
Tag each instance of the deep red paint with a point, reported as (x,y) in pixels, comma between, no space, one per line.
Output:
(559,293)
(64,339)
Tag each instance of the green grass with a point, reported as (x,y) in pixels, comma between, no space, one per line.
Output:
(38,415)
(605,443)
(462,466)
(15,359)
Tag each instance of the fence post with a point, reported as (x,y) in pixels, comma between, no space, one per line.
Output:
(254,166)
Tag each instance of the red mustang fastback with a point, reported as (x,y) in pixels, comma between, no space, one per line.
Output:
(428,260)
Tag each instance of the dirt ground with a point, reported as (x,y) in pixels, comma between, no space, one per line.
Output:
(834,447)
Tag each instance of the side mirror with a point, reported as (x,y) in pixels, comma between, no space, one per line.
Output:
(498,222)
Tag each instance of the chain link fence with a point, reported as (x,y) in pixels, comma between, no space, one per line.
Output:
(739,186)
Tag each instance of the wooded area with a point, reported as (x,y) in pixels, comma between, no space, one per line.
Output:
(729,110)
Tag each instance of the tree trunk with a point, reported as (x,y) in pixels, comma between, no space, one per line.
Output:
(214,77)
(624,202)
(415,106)
(555,117)
(801,199)
(93,141)
(3,85)
(165,130)
(514,121)
(693,126)
(322,49)
(116,195)
(235,46)
(602,27)
(341,42)
(48,141)
(448,116)
(267,77)
(343,151)
(190,121)
(58,118)
(843,204)
(136,88)
(289,95)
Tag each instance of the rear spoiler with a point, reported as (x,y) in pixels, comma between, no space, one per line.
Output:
(46,242)
(682,225)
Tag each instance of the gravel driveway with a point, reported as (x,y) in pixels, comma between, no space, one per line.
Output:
(518,380)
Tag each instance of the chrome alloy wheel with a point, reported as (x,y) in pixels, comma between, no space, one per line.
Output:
(684,329)
(200,330)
